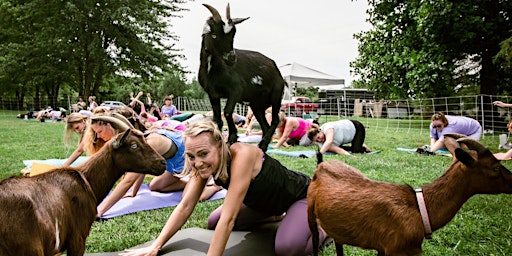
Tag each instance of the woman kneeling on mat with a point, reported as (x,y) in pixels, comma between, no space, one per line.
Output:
(333,135)
(259,188)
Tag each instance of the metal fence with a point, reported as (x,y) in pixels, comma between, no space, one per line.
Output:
(385,113)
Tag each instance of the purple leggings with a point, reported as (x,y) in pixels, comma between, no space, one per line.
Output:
(293,236)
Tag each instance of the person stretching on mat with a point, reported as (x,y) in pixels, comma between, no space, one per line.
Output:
(75,123)
(166,142)
(333,135)
(292,131)
(443,124)
(259,189)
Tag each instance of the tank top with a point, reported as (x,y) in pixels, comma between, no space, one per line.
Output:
(274,189)
(301,130)
(174,164)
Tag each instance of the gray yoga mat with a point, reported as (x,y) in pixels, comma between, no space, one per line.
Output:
(195,241)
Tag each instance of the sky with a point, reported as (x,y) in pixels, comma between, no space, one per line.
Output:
(316,34)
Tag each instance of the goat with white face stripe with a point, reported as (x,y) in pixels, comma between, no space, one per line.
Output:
(240,76)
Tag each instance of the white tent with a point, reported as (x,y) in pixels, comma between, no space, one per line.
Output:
(297,75)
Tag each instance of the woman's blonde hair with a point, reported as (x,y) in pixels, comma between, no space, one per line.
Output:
(439,116)
(92,143)
(73,118)
(217,139)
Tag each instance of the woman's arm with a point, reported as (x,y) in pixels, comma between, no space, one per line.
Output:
(136,186)
(504,156)
(178,217)
(77,153)
(291,123)
(436,144)
(245,164)
(129,179)
(501,104)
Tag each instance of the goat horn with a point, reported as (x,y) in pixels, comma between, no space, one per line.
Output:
(473,144)
(124,119)
(215,13)
(228,12)
(117,123)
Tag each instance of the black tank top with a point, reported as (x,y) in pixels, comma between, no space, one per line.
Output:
(274,189)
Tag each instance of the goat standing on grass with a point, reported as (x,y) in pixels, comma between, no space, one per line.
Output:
(54,211)
(355,210)
(238,75)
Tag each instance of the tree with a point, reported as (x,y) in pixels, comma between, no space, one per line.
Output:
(51,43)
(427,48)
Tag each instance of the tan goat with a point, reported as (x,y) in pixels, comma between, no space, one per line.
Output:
(355,210)
(53,212)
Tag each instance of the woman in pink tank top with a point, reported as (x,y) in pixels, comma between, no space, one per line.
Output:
(292,131)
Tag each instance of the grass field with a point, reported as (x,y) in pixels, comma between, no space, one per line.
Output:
(482,227)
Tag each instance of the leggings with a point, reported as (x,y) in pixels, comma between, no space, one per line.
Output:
(293,236)
(357,143)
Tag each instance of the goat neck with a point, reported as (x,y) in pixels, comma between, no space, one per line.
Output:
(101,173)
(470,173)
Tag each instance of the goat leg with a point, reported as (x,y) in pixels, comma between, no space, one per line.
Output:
(339,248)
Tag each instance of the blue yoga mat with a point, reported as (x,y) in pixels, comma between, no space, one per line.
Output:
(149,200)
(55,162)
(413,150)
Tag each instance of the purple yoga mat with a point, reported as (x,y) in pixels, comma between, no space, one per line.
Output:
(149,200)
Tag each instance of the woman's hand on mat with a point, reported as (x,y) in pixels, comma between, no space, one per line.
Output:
(146,251)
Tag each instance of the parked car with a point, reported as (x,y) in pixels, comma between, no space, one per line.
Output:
(298,106)
(112,104)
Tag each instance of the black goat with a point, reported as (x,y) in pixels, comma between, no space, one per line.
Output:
(238,75)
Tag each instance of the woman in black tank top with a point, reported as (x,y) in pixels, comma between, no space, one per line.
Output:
(258,186)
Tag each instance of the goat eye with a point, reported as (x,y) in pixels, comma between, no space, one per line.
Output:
(134,146)
(214,36)
(497,168)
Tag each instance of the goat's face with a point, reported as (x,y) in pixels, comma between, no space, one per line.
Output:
(133,153)
(488,175)
(218,35)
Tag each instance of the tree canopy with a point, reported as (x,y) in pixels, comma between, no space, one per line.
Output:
(47,44)
(433,48)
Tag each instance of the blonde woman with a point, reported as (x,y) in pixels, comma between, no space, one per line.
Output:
(92,103)
(260,188)
(75,123)
(168,143)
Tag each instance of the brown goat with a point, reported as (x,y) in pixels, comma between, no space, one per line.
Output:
(355,210)
(53,212)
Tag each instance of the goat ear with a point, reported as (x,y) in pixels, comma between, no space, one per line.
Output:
(464,157)
(120,139)
(451,144)
(238,20)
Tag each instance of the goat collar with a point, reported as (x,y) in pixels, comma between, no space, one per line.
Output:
(424,213)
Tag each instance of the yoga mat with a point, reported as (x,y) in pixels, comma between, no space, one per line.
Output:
(413,150)
(249,138)
(301,154)
(149,200)
(55,162)
(195,241)
(304,153)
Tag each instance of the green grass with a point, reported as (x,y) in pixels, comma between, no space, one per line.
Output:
(482,227)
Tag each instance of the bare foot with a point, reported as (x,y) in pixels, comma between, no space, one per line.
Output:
(209,191)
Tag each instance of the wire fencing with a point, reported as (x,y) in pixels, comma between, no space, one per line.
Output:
(383,115)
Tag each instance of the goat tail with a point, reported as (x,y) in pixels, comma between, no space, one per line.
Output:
(319,156)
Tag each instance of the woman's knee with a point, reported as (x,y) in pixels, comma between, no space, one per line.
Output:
(214,217)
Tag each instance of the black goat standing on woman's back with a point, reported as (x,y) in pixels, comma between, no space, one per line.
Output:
(238,75)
